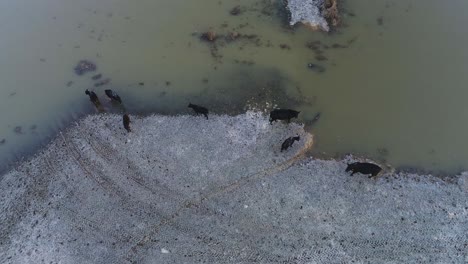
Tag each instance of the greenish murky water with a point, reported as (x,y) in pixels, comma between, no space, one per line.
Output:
(393,86)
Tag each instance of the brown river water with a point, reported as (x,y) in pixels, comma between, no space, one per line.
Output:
(393,85)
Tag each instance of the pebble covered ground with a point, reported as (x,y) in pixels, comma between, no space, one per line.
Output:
(188,190)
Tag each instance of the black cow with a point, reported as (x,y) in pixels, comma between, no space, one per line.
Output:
(126,122)
(199,109)
(289,142)
(93,97)
(113,95)
(364,168)
(283,114)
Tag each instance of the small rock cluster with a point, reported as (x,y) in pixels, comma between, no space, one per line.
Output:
(316,14)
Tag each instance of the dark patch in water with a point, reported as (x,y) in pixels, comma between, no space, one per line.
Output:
(69,83)
(84,66)
(209,36)
(352,40)
(316,118)
(33,129)
(96,77)
(318,48)
(237,10)
(2,142)
(102,83)
(321,58)
(338,46)
(18,130)
(316,68)
(238,90)
(380,21)
(255,86)
(274,9)
(314,45)
(245,62)
(319,52)
(217,41)
(285,46)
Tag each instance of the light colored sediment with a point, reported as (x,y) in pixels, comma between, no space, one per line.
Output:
(187,190)
(308,13)
(315,14)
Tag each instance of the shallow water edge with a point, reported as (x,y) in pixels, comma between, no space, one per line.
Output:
(74,121)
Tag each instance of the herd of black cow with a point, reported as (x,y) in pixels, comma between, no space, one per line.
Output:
(276,114)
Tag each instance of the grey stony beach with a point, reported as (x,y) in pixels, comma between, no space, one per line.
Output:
(184,189)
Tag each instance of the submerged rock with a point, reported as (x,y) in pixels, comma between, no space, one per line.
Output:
(330,12)
(315,67)
(85,66)
(209,36)
(96,77)
(18,130)
(102,83)
(236,11)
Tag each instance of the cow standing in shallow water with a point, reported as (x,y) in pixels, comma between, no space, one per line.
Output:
(93,97)
(199,109)
(113,95)
(364,168)
(283,114)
